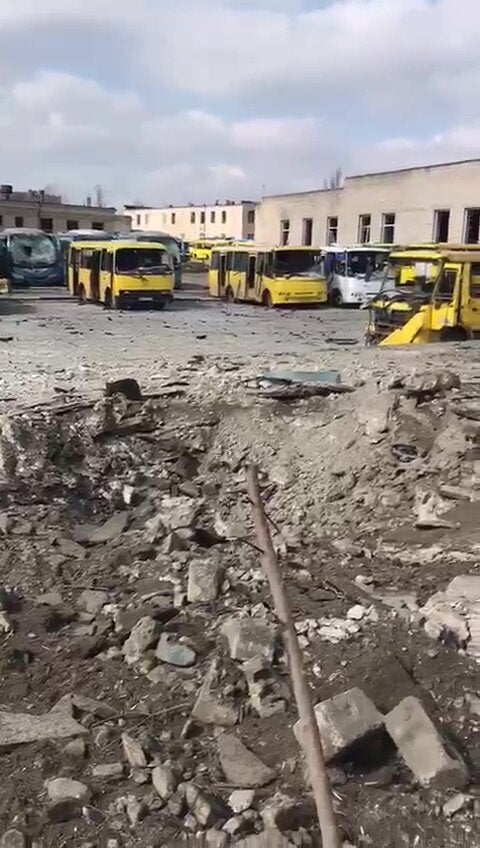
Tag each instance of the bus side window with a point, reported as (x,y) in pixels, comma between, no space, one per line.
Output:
(214,262)
(446,285)
(261,264)
(475,282)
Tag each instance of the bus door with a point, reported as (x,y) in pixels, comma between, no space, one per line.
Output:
(106,273)
(222,273)
(260,276)
(95,263)
(75,269)
(250,276)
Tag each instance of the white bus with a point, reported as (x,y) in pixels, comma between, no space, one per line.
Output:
(354,274)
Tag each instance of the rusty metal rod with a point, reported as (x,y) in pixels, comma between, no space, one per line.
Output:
(311,741)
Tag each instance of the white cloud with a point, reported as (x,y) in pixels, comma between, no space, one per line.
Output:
(200,99)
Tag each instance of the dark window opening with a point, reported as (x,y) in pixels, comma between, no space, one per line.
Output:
(212,217)
(364,229)
(224,217)
(98,225)
(19,221)
(446,285)
(307,235)
(388,228)
(173,218)
(472,226)
(214,262)
(251,217)
(46,224)
(332,230)
(202,217)
(240,261)
(441,226)
(151,259)
(475,281)
(72,225)
(284,232)
(192,217)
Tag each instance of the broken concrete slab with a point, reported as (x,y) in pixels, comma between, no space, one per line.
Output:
(66,798)
(249,638)
(210,707)
(172,652)
(422,747)
(92,601)
(178,514)
(88,534)
(241,767)
(22,728)
(453,616)
(108,771)
(344,721)
(203,582)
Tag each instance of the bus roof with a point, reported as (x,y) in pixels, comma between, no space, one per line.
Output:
(255,247)
(358,248)
(114,245)
(24,231)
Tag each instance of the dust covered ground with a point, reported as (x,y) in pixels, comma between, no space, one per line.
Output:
(116,625)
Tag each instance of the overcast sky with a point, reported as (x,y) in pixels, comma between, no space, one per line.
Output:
(171,101)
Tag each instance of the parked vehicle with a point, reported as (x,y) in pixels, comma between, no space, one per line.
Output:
(446,310)
(354,274)
(30,257)
(175,247)
(201,249)
(272,276)
(120,274)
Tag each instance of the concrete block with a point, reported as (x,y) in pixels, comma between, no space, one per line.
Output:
(249,638)
(422,747)
(344,721)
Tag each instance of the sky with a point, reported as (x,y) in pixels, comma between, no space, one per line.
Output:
(178,101)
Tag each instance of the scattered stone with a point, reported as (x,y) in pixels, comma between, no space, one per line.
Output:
(422,747)
(249,638)
(144,635)
(209,707)
(108,532)
(430,384)
(170,651)
(206,809)
(455,805)
(13,839)
(268,696)
(178,515)
(429,506)
(343,721)
(92,601)
(374,410)
(108,771)
(234,826)
(20,728)
(76,750)
(6,624)
(203,582)
(66,798)
(133,751)
(99,709)
(136,810)
(241,800)
(240,766)
(281,813)
(216,839)
(164,781)
(473,703)
(453,616)
(50,599)
(357,613)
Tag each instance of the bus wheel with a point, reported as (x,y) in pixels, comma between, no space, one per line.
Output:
(108,303)
(267,299)
(337,299)
(229,296)
(82,295)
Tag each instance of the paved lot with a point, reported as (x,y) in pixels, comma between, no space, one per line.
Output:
(49,342)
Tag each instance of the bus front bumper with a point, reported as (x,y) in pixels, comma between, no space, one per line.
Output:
(144,298)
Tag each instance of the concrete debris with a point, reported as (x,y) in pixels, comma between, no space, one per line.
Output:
(178,515)
(280,813)
(100,709)
(473,703)
(66,798)
(428,507)
(170,651)
(108,771)
(107,532)
(343,721)
(241,800)
(136,810)
(455,804)
(374,410)
(453,616)
(6,625)
(216,839)
(268,839)
(268,696)
(203,582)
(127,387)
(19,728)
(76,750)
(134,753)
(423,749)
(92,601)
(164,781)
(250,638)
(206,809)
(240,766)
(420,385)
(210,707)
(144,635)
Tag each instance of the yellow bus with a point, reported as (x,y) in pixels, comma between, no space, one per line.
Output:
(201,250)
(272,276)
(120,274)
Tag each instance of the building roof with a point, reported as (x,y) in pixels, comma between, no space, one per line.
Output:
(223,205)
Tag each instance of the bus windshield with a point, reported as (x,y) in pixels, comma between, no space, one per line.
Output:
(148,260)
(416,275)
(33,250)
(366,263)
(289,263)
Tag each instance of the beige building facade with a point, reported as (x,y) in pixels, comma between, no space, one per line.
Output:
(438,203)
(48,213)
(220,220)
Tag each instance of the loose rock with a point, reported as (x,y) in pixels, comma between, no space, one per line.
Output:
(249,638)
(422,747)
(92,601)
(175,653)
(13,839)
(19,728)
(108,532)
(203,582)
(241,800)
(144,635)
(164,781)
(108,771)
(240,766)
(133,751)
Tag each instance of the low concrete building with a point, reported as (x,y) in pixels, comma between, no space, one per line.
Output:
(48,212)
(220,220)
(436,203)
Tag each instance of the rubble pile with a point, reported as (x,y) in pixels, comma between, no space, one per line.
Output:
(146,698)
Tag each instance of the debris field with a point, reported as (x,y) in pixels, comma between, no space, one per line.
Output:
(145,696)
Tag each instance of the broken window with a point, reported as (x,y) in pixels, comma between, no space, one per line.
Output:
(192,217)
(19,221)
(224,217)
(364,229)
(202,217)
(441,225)
(388,228)
(173,218)
(251,217)
(73,225)
(284,232)
(472,226)
(46,224)
(307,234)
(332,230)
(212,217)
